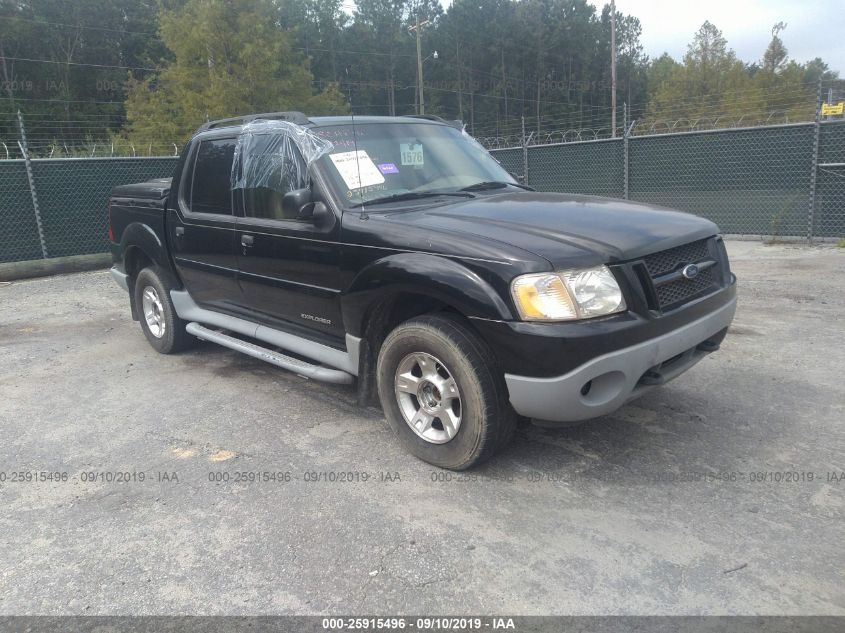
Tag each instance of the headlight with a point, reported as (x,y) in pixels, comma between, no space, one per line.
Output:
(567,295)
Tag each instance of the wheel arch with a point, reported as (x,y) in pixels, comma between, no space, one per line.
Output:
(401,287)
(141,248)
(432,278)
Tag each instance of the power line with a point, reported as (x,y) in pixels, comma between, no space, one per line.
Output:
(64,100)
(156,35)
(74,26)
(53,61)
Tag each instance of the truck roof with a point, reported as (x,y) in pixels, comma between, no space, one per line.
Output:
(320,121)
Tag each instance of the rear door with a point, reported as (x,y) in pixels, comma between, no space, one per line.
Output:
(288,267)
(202,230)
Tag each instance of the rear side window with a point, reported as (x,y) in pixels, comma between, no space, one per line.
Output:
(210,191)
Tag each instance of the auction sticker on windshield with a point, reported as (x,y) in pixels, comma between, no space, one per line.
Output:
(357,169)
(411,153)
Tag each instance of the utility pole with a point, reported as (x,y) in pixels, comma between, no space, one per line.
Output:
(417,28)
(505,86)
(460,82)
(472,111)
(613,68)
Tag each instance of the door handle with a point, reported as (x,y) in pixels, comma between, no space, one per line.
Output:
(247,240)
(180,231)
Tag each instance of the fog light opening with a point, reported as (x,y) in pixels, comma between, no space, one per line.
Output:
(602,389)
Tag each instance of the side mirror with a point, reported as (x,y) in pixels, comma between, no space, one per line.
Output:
(319,215)
(295,203)
(519,179)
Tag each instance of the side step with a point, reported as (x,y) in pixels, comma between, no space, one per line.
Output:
(295,365)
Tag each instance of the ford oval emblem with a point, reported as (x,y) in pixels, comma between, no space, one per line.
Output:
(690,271)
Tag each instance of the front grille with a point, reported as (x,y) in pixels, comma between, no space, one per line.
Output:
(674,258)
(677,290)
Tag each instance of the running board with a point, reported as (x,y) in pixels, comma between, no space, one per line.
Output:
(295,365)
(346,361)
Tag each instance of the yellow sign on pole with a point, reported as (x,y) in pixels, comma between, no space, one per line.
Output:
(829,109)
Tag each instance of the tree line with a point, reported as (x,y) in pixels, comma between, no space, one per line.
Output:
(149,71)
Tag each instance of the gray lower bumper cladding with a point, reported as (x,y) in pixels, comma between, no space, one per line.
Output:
(604,384)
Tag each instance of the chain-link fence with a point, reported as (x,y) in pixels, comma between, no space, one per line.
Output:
(775,181)
(18,230)
(829,207)
(592,167)
(747,181)
(71,197)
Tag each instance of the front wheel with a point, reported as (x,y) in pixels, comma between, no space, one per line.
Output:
(441,393)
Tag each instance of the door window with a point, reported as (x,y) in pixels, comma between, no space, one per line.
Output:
(275,166)
(211,190)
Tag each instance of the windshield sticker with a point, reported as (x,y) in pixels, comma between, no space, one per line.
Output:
(357,169)
(388,168)
(411,153)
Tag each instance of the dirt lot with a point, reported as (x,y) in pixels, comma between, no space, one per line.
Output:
(722,492)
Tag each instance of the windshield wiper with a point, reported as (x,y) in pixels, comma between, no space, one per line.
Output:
(413,195)
(495,184)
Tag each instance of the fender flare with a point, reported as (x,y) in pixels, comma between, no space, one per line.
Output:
(434,276)
(142,236)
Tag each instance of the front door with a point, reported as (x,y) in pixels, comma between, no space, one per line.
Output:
(289,268)
(202,230)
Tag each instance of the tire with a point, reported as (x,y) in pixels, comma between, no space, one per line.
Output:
(415,365)
(163,328)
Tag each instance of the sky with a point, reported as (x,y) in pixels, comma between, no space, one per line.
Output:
(815,28)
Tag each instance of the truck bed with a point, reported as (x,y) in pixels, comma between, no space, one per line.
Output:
(156,189)
(137,204)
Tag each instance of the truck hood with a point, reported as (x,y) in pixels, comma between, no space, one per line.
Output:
(565,229)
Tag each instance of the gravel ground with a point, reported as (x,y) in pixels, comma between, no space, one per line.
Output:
(657,509)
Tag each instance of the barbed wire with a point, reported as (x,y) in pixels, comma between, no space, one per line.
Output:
(647,127)
(93,138)
(12,149)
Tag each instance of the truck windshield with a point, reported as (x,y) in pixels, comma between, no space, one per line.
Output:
(399,158)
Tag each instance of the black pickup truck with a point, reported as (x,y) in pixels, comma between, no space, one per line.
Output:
(397,254)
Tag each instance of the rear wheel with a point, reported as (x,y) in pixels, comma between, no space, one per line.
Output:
(163,328)
(441,392)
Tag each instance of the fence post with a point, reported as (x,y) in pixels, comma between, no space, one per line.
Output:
(815,165)
(625,151)
(31,178)
(524,155)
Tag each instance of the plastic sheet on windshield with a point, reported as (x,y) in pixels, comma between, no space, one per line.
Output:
(275,155)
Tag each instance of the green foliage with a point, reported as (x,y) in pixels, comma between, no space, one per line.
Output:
(77,93)
(776,53)
(229,59)
(150,71)
(713,86)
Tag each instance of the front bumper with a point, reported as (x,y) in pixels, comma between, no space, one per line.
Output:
(605,383)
